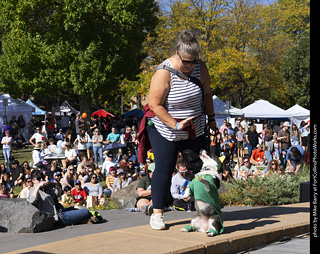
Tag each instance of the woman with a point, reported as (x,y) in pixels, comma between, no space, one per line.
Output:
(252,138)
(274,167)
(178,104)
(94,190)
(6,147)
(97,140)
(121,181)
(27,184)
(216,142)
(26,169)
(295,135)
(237,174)
(82,144)
(69,177)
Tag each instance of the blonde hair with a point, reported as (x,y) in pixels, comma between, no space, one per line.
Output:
(187,43)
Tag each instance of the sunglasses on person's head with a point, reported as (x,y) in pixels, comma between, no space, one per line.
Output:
(186,62)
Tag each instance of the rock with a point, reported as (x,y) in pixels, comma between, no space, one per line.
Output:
(19,216)
(126,197)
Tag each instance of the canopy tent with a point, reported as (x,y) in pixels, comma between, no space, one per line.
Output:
(64,108)
(15,108)
(221,111)
(262,109)
(135,111)
(38,111)
(102,113)
(298,114)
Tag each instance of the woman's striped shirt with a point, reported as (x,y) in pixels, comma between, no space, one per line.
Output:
(183,100)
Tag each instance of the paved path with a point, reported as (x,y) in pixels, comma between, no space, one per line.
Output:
(125,232)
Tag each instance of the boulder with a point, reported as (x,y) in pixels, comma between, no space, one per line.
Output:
(126,197)
(19,216)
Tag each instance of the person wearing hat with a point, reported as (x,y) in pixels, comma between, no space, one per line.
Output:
(110,181)
(285,143)
(258,157)
(79,194)
(144,201)
(107,164)
(121,181)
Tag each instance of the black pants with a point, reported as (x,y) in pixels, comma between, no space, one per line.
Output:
(165,155)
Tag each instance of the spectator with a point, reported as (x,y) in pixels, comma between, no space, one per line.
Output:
(113,137)
(3,191)
(97,140)
(110,181)
(70,156)
(252,139)
(6,147)
(81,141)
(144,201)
(245,125)
(20,141)
(224,126)
(179,183)
(132,157)
(83,165)
(107,164)
(17,173)
(36,137)
(53,169)
(230,129)
(94,190)
(274,168)
(294,135)
(258,158)
(67,198)
(3,169)
(27,184)
(216,142)
(69,177)
(79,194)
(295,158)
(237,174)
(60,135)
(14,126)
(248,169)
(46,201)
(36,157)
(65,123)
(121,181)
(284,139)
(240,139)
(6,180)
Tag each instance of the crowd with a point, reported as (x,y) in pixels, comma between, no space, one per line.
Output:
(105,149)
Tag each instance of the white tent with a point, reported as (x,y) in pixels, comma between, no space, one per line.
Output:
(298,114)
(262,109)
(15,108)
(221,111)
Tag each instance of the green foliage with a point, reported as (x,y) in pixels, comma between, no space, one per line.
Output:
(71,47)
(274,190)
(296,69)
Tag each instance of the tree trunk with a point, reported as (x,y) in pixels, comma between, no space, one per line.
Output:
(85,104)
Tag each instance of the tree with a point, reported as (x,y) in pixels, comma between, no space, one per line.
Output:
(74,49)
(296,70)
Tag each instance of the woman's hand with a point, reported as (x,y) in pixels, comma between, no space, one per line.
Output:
(184,123)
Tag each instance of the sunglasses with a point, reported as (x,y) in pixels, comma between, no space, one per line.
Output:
(185,62)
(93,177)
(246,161)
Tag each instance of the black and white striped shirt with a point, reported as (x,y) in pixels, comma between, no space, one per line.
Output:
(183,100)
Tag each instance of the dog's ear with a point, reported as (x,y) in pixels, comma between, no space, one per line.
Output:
(204,154)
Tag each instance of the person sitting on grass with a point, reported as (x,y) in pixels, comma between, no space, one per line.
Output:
(121,181)
(79,194)
(67,198)
(257,157)
(249,170)
(274,168)
(110,181)
(144,201)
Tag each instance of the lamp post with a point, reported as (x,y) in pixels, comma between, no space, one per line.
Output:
(5,104)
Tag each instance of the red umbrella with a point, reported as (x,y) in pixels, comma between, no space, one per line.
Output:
(102,112)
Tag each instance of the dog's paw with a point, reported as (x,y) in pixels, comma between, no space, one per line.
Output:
(211,234)
(184,230)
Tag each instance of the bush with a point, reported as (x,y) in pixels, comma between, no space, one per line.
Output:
(274,190)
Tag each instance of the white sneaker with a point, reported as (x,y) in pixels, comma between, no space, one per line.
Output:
(156,221)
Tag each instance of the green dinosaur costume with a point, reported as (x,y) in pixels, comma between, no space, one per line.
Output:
(199,191)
